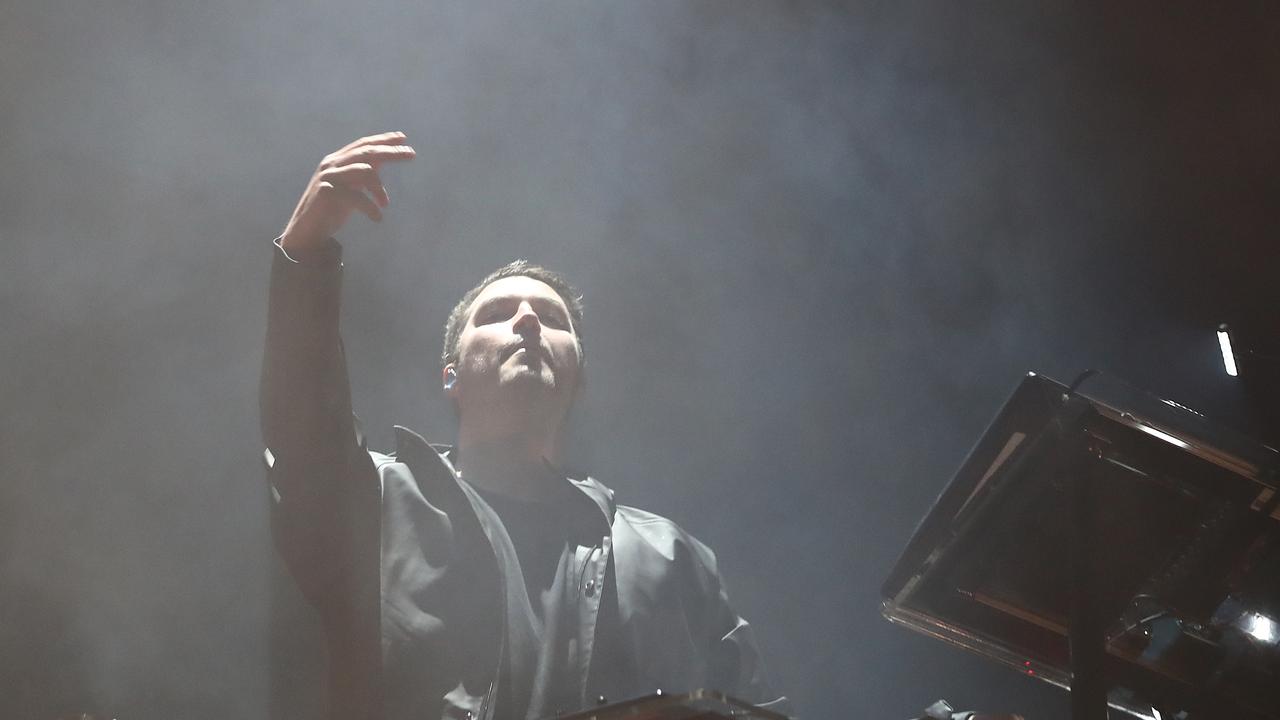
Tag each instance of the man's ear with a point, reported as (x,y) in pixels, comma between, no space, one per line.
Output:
(449,381)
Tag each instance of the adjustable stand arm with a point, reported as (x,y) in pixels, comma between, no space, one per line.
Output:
(1087,634)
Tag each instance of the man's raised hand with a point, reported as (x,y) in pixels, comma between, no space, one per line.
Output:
(346,180)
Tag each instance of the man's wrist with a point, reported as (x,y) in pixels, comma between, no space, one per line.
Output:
(325,251)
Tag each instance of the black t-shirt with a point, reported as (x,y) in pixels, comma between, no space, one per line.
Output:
(538,671)
(538,532)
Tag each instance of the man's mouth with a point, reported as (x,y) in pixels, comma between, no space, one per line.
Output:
(531,349)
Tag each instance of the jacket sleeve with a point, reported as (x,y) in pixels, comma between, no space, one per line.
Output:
(734,663)
(325,492)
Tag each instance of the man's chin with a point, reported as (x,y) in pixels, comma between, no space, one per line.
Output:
(528,380)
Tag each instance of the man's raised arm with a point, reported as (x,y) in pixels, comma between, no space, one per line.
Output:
(322,480)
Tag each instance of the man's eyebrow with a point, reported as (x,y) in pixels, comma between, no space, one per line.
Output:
(492,300)
(553,303)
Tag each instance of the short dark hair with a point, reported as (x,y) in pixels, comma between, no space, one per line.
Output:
(519,268)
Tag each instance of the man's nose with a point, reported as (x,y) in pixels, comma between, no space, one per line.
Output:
(527,322)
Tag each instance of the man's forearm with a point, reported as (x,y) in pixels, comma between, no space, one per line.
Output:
(305,396)
(324,488)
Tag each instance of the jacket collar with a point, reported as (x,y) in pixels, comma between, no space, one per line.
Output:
(437,461)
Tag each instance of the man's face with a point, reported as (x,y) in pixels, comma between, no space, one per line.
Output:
(518,345)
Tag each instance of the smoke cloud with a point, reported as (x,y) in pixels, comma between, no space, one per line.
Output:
(819,243)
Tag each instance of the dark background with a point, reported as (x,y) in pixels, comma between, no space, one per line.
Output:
(819,245)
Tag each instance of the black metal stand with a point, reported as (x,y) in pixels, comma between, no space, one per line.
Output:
(1112,543)
(1087,634)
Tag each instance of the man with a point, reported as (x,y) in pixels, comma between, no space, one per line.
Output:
(477,581)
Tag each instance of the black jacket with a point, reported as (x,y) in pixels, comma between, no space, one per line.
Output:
(416,580)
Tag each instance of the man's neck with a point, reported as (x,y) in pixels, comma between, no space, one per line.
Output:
(513,466)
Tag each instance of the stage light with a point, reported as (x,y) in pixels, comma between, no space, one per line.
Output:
(1156,432)
(1258,626)
(1228,356)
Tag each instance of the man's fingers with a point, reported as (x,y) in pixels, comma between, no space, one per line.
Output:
(357,176)
(371,154)
(382,153)
(387,138)
(346,175)
(352,197)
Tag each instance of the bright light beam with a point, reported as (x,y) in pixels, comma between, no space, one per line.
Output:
(1228,357)
(1261,627)
(1154,432)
